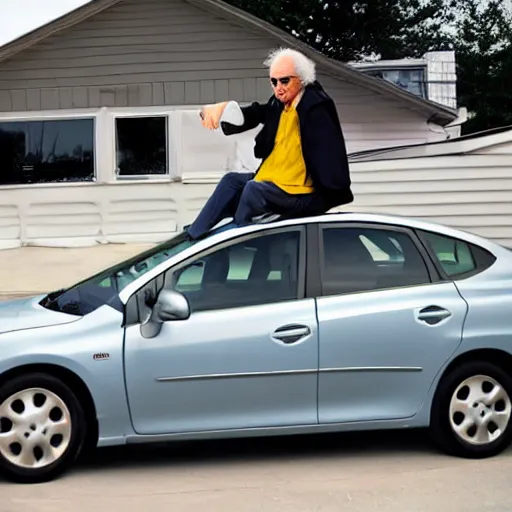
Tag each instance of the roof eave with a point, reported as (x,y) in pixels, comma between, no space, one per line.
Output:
(464,145)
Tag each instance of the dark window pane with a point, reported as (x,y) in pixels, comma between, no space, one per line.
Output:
(457,257)
(412,80)
(257,271)
(141,144)
(359,259)
(46,151)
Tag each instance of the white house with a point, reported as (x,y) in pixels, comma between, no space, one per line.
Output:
(99,133)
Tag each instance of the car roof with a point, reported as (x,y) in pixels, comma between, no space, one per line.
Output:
(358,217)
(224,234)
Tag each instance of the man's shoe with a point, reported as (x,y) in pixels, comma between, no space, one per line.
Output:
(266,218)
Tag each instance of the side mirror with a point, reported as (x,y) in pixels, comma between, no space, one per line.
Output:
(170,306)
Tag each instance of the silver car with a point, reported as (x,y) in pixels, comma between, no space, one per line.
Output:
(334,323)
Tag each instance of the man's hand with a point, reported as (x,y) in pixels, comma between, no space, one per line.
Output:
(211,115)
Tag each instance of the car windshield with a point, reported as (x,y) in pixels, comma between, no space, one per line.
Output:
(104,287)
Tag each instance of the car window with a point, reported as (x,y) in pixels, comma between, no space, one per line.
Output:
(259,270)
(366,259)
(456,257)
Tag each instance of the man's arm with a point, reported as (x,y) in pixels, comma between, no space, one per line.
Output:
(253,115)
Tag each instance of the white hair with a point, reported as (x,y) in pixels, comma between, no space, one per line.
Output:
(304,67)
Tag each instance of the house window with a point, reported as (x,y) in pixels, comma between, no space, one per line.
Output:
(141,146)
(49,151)
(410,79)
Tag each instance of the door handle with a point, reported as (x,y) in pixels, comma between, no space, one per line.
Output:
(291,333)
(432,315)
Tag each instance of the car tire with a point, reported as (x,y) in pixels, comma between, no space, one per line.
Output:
(471,413)
(42,428)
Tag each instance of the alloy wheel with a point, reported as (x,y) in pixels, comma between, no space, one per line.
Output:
(480,410)
(35,428)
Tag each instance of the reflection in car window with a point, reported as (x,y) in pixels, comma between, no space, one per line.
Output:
(366,259)
(457,257)
(394,253)
(256,271)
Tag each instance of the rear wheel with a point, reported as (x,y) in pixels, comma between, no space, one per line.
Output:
(42,428)
(472,411)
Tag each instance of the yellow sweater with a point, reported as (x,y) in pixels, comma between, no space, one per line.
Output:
(285,166)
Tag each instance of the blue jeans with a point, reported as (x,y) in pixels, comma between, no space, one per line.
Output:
(237,195)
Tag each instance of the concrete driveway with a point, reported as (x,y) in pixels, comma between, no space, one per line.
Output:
(384,472)
(34,270)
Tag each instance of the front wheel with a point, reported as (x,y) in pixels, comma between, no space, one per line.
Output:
(42,428)
(472,411)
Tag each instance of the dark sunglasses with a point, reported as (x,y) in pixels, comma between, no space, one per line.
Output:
(285,80)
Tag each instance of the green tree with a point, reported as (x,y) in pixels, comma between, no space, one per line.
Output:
(484,64)
(351,30)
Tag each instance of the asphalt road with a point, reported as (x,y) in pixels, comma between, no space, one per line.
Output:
(381,472)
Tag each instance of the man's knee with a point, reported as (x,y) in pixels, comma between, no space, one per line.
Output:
(230,177)
(234,180)
(253,194)
(252,203)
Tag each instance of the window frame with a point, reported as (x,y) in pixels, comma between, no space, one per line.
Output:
(317,290)
(372,70)
(175,157)
(40,116)
(301,278)
(420,233)
(171,148)
(105,161)
(162,280)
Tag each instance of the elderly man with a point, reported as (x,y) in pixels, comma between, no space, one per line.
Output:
(304,168)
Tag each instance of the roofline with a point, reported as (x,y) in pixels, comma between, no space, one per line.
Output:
(457,146)
(437,113)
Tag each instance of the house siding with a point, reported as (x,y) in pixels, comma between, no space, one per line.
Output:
(168,52)
(87,214)
(470,192)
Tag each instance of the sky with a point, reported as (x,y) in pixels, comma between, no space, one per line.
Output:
(22,16)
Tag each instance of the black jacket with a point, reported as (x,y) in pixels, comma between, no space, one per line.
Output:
(323,145)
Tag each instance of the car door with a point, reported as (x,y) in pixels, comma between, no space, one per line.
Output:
(387,323)
(247,357)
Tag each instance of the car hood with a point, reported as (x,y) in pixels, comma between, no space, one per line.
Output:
(26,313)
